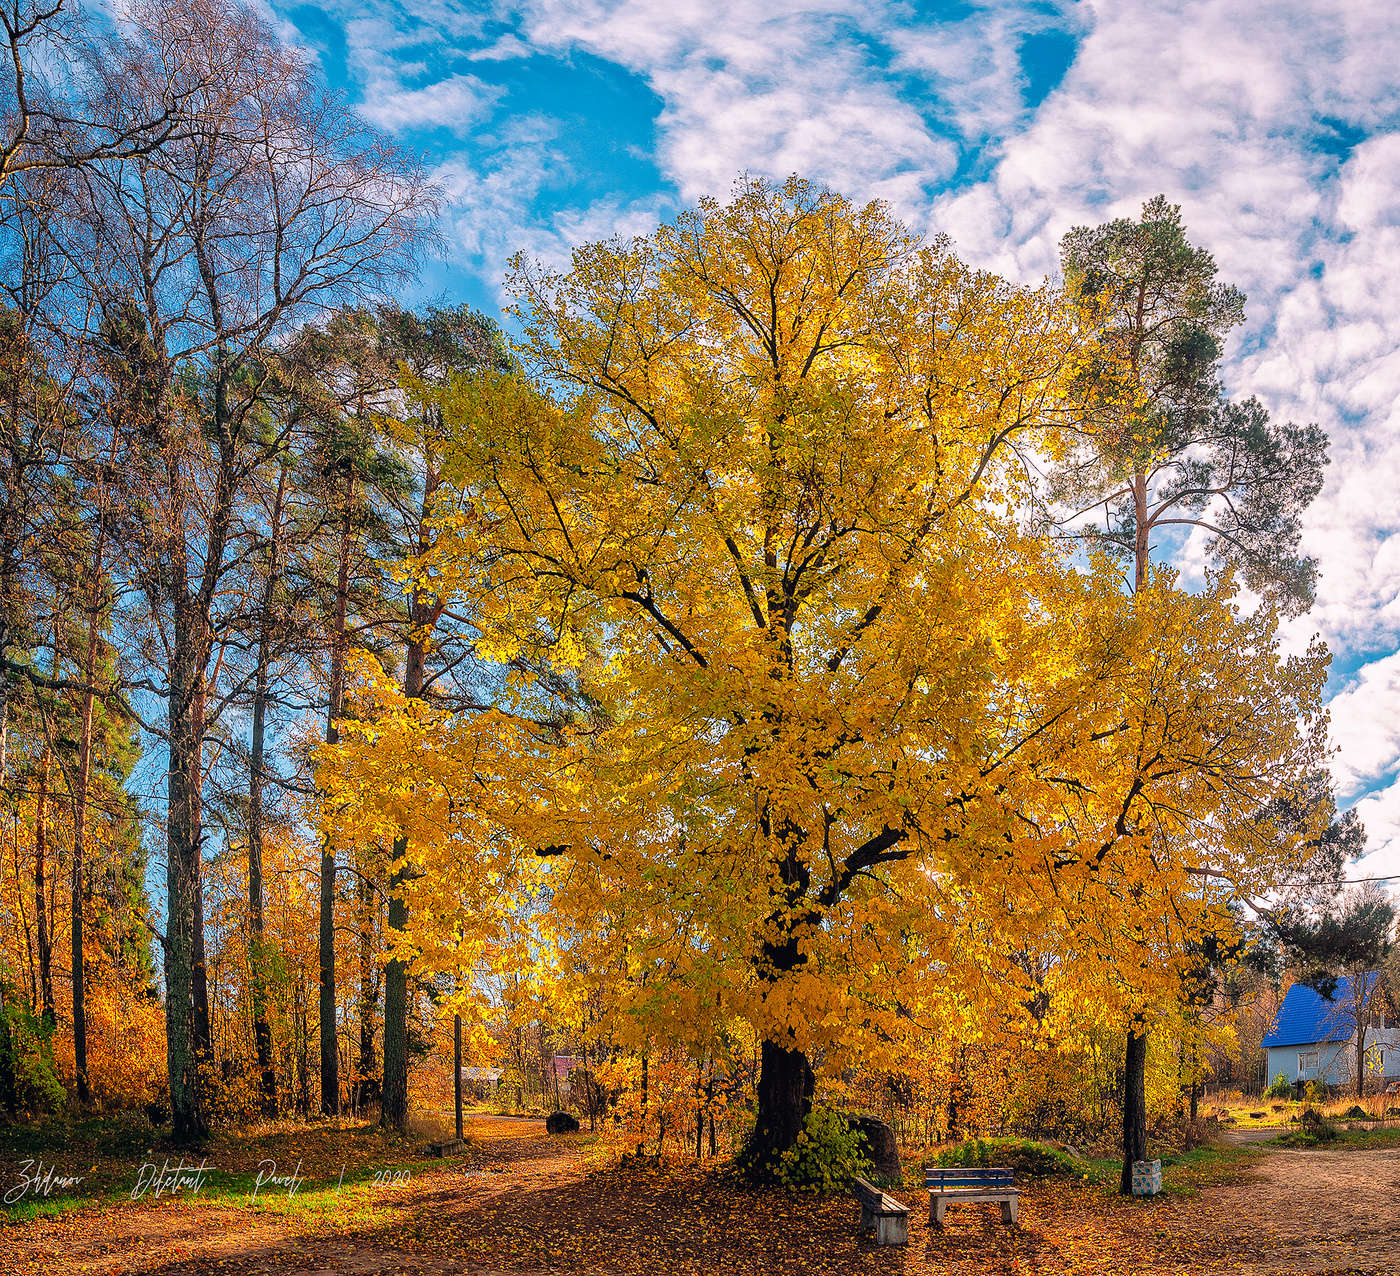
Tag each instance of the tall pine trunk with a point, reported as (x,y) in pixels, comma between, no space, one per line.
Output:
(257,941)
(325,943)
(423,614)
(81,781)
(183,890)
(366,1089)
(394,1096)
(1135,1055)
(41,909)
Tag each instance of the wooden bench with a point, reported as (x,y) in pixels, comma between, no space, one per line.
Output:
(881,1213)
(955,1186)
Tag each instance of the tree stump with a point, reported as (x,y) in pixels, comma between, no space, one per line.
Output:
(880,1146)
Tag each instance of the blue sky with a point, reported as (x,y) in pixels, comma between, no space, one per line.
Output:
(1275,123)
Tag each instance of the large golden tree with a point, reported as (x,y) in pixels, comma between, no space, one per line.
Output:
(796,686)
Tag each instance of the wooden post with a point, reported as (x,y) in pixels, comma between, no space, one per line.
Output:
(457,1070)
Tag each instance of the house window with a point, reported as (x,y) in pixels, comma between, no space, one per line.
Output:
(1307,1061)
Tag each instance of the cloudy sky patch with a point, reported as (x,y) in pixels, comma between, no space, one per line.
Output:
(1275,125)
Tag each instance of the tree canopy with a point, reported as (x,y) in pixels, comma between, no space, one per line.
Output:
(800,691)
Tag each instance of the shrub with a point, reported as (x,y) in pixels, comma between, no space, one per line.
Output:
(826,1156)
(28,1079)
(1355,1111)
(1280,1089)
(1025,1156)
(1317,1126)
(561,1123)
(1314,1093)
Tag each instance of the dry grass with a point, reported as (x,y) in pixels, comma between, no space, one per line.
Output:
(1257,1113)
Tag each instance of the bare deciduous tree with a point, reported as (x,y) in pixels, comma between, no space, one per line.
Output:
(267,201)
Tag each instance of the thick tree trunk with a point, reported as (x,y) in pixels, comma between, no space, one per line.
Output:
(785,1078)
(186,997)
(182,888)
(1134,1108)
(393,1111)
(785,1087)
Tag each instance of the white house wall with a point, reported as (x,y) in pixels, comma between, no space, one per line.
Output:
(1336,1059)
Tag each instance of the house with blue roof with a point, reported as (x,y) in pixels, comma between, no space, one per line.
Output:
(1313,1037)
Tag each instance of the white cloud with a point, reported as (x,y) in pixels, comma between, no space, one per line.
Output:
(1219,105)
(494,207)
(458,103)
(1365,726)
(1380,812)
(1239,112)
(749,86)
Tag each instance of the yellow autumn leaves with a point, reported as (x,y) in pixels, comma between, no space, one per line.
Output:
(808,722)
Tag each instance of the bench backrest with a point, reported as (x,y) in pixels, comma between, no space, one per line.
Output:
(945,1178)
(864,1188)
(872,1198)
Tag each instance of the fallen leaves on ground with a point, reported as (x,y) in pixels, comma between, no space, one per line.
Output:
(525,1204)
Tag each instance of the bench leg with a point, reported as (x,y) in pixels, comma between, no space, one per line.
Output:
(867,1219)
(892,1230)
(1008,1212)
(936,1208)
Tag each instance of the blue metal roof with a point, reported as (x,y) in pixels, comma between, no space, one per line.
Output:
(1307,1017)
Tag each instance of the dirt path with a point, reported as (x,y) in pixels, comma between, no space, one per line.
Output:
(175,1235)
(1310,1211)
(1255,1134)
(528,1204)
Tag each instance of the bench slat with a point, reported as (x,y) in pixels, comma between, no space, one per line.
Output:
(977,1193)
(994,1174)
(940,1183)
(973,1178)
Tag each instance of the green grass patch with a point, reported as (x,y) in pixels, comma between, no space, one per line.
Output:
(1352,1139)
(1183,1173)
(1025,1156)
(1186,1173)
